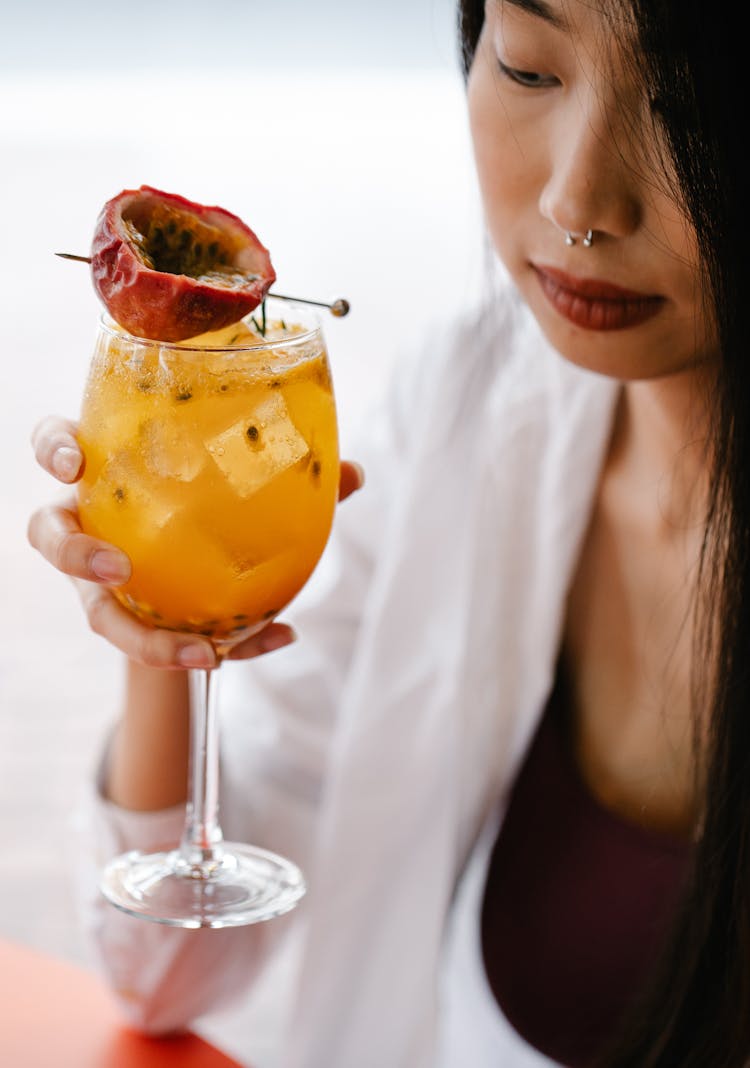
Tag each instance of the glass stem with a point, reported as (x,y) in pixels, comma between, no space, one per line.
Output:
(200,849)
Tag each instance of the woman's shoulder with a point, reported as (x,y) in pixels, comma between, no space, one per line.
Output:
(485,374)
(494,356)
(458,352)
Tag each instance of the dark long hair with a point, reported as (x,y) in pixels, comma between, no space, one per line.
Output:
(691,56)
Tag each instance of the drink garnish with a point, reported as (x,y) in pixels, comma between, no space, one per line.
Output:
(168,269)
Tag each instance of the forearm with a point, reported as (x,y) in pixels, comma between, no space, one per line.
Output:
(147,767)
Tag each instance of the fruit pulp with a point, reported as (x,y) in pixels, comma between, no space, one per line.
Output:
(215,469)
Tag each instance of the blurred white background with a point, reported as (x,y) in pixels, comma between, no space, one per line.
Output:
(336,129)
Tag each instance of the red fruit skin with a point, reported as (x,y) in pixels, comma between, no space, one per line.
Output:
(171,307)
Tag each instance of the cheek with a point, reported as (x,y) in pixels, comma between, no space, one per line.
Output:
(502,171)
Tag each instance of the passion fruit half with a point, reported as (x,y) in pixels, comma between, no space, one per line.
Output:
(168,269)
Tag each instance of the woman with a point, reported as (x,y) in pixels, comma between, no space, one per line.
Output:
(511,749)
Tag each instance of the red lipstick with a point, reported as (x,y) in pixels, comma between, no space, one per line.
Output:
(595,305)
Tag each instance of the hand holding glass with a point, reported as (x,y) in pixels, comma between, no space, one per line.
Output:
(213,463)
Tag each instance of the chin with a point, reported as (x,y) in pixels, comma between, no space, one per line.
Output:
(628,355)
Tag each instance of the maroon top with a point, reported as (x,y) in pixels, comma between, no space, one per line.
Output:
(576,906)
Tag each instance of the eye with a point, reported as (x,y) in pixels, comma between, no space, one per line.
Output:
(529,79)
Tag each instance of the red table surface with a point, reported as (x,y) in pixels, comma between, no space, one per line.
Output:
(56,1015)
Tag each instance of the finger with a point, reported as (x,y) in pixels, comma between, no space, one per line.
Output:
(352,478)
(274,636)
(151,646)
(54,531)
(56,448)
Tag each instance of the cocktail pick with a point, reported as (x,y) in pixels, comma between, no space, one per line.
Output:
(339,307)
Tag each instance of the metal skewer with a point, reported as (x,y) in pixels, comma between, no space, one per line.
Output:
(339,307)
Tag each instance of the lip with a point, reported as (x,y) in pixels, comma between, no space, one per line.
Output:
(594,304)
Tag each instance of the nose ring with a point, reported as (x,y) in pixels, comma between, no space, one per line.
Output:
(588,238)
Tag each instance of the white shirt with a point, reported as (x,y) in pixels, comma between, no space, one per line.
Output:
(375,749)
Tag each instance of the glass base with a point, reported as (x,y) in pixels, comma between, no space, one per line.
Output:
(238,885)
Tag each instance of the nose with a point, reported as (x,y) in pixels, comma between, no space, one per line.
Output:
(592,182)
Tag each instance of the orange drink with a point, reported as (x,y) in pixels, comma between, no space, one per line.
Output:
(213,463)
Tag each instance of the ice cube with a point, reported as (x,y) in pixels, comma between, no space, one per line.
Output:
(255,449)
(171,451)
(245,566)
(120,489)
(266,586)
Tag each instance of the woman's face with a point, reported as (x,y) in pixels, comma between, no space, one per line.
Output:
(564,143)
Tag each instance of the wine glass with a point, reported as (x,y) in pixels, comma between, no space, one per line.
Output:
(213,463)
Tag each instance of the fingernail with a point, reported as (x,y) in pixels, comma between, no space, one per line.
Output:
(110,566)
(66,462)
(196,656)
(360,473)
(277,640)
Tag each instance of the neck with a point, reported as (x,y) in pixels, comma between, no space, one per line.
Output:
(660,445)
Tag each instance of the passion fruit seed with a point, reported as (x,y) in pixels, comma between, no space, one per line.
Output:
(209,628)
(176,242)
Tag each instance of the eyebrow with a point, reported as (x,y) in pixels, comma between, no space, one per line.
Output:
(541,9)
